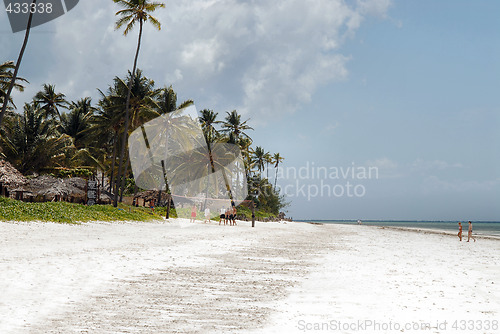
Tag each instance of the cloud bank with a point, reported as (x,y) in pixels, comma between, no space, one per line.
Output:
(264,58)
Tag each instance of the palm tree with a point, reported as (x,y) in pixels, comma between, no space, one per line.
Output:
(135,11)
(31,142)
(268,159)
(277,158)
(246,152)
(50,101)
(77,121)
(143,106)
(259,158)
(18,64)
(5,79)
(208,119)
(234,128)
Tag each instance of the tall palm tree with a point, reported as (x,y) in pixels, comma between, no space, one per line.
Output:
(6,75)
(234,128)
(143,106)
(268,159)
(135,11)
(18,64)
(277,158)
(259,158)
(50,101)
(208,119)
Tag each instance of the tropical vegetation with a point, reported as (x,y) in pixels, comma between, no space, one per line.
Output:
(51,134)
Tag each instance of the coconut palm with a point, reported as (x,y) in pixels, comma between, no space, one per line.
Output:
(135,11)
(268,159)
(143,106)
(31,143)
(259,158)
(277,159)
(208,119)
(168,101)
(6,75)
(77,120)
(6,99)
(234,128)
(50,101)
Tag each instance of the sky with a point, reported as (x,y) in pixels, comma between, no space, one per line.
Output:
(407,90)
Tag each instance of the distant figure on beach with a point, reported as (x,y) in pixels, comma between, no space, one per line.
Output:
(234,215)
(152,205)
(460,231)
(193,214)
(227,215)
(207,215)
(359,221)
(222,216)
(469,235)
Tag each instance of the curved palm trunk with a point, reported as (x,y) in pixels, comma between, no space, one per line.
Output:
(18,64)
(127,110)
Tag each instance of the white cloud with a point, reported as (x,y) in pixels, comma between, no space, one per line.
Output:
(422,165)
(264,58)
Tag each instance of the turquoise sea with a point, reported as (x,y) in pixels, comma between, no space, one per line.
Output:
(478,228)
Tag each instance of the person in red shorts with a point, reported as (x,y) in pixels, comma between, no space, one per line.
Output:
(193,214)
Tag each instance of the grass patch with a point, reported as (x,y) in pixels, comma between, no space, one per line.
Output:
(62,212)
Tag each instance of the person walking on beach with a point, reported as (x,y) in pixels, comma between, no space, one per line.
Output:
(207,215)
(193,214)
(469,235)
(228,218)
(460,231)
(222,216)
(234,216)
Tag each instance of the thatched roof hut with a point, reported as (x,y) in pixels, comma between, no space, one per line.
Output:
(50,187)
(10,177)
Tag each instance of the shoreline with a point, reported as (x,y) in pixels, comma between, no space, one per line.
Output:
(412,229)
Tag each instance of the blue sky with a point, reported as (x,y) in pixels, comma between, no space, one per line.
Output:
(409,87)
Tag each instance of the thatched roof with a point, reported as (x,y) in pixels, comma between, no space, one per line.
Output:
(9,176)
(51,186)
(151,195)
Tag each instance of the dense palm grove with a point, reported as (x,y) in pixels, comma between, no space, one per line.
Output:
(53,135)
(77,138)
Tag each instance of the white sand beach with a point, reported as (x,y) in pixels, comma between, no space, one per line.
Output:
(177,277)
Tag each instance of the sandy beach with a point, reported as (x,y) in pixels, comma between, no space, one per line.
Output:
(177,277)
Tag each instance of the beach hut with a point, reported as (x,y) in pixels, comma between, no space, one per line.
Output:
(10,178)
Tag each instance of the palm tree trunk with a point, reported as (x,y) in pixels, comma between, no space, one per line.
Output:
(127,110)
(18,64)
(113,163)
(276,177)
(124,179)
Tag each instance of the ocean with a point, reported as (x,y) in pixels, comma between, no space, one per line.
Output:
(478,228)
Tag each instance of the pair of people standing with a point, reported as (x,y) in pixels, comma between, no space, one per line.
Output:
(194,214)
(228,216)
(469,234)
